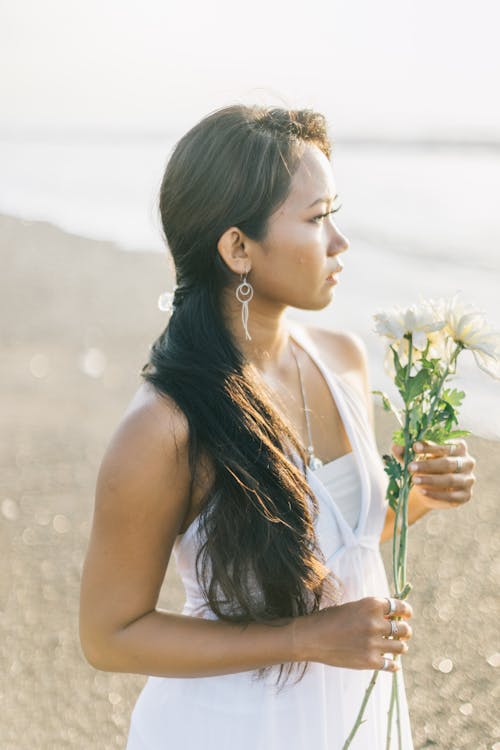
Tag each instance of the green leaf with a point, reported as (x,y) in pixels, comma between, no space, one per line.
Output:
(417,384)
(392,466)
(458,433)
(415,422)
(395,358)
(394,470)
(398,437)
(392,494)
(453,397)
(400,378)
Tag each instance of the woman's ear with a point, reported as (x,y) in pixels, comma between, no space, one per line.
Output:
(232,249)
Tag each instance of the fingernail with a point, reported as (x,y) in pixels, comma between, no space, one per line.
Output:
(418,446)
(413,467)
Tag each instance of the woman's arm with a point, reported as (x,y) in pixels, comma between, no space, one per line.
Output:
(140,504)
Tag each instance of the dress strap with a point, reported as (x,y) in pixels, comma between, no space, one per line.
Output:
(353,426)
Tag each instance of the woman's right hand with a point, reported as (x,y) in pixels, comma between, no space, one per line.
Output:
(354,634)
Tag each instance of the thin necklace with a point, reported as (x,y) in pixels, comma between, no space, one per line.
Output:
(313,461)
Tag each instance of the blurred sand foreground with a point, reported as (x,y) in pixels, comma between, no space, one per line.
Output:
(78,317)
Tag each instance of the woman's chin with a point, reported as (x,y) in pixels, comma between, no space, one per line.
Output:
(327,298)
(317,304)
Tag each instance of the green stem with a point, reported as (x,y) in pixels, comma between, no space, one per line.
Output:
(391,711)
(399,557)
(437,396)
(399,560)
(398,715)
(395,538)
(359,718)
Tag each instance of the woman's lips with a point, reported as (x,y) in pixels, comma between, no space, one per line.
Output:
(331,277)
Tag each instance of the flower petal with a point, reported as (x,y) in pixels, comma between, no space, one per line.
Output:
(488,365)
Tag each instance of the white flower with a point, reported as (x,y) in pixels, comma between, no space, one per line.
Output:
(442,323)
(417,320)
(441,346)
(468,325)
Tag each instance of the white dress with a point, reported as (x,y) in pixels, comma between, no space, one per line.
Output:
(234,711)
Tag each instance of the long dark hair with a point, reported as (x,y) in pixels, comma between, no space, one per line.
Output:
(258,549)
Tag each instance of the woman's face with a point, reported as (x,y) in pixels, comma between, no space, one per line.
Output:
(301,249)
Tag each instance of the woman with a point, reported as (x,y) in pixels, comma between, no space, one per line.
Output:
(287,603)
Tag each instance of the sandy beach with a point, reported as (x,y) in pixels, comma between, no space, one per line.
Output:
(78,317)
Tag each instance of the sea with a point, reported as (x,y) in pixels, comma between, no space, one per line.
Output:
(422,220)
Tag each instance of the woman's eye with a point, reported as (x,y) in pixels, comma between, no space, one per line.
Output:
(323,216)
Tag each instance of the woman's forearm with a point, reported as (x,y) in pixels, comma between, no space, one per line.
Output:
(166,644)
(416,509)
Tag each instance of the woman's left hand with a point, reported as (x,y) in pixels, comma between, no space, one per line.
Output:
(434,473)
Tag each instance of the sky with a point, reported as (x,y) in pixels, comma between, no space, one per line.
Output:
(391,69)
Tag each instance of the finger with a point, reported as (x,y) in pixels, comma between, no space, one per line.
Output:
(451,497)
(450,448)
(444,465)
(401,608)
(388,664)
(444,481)
(398,629)
(394,647)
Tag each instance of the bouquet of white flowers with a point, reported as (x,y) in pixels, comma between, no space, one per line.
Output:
(425,341)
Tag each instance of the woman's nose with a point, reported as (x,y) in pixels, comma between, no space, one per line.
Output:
(339,243)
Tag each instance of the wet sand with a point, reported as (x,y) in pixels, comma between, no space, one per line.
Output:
(78,317)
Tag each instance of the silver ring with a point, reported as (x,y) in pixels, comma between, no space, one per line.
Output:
(392,606)
(394,629)
(460,463)
(452,448)
(386,664)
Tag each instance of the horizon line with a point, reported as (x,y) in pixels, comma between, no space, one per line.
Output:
(92,135)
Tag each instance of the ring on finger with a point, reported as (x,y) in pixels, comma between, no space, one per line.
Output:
(392,606)
(394,629)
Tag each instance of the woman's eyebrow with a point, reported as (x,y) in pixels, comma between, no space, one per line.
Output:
(323,200)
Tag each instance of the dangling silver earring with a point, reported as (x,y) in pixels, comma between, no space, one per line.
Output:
(244,293)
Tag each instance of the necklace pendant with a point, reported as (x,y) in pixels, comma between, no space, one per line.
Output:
(315,462)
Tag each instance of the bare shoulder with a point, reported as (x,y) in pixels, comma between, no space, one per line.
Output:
(346,354)
(148,450)
(151,426)
(147,402)
(345,351)
(171,427)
